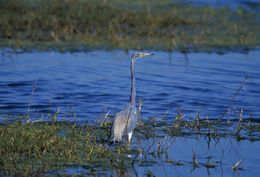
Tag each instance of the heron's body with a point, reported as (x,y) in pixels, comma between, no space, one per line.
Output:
(126,120)
(125,117)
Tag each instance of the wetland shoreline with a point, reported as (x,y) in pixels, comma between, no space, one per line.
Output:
(179,145)
(39,148)
(157,25)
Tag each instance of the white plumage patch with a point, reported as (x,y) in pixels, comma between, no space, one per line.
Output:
(118,129)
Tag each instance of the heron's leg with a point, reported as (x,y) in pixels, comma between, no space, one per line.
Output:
(129,136)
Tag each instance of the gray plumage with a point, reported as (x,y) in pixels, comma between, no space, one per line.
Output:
(126,120)
(125,117)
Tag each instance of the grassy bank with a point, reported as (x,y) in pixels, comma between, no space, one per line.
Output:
(160,25)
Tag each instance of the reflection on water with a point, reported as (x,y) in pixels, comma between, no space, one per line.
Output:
(90,82)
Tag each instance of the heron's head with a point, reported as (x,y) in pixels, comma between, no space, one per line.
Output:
(138,55)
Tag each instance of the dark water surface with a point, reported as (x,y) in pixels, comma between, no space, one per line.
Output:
(90,82)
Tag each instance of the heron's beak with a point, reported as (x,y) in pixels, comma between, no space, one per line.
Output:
(144,54)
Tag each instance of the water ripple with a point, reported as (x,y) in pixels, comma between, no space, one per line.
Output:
(93,81)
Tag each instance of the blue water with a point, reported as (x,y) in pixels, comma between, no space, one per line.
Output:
(249,5)
(95,83)
(224,154)
(99,81)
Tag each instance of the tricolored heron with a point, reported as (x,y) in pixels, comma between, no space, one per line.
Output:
(126,120)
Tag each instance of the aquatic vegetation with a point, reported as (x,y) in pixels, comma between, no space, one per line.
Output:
(160,25)
(58,147)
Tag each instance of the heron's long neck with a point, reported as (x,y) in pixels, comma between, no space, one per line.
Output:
(133,93)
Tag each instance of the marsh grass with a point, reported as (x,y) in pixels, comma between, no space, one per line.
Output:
(161,25)
(33,149)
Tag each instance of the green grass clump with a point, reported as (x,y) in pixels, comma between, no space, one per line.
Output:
(33,149)
(86,24)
